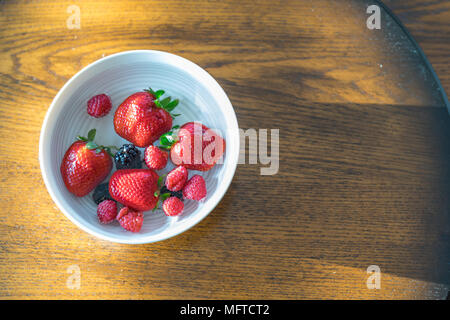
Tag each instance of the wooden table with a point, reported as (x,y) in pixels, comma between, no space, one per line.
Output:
(364,169)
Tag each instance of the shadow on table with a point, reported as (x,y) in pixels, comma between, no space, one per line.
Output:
(358,185)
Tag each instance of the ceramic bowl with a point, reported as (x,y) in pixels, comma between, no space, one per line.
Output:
(119,75)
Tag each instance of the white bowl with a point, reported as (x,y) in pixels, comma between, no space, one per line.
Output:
(119,75)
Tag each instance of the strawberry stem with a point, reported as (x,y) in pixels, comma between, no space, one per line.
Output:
(167,103)
(161,198)
(92,145)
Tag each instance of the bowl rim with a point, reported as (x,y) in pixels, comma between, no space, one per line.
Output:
(233,158)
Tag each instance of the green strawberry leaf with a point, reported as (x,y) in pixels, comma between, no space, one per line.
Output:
(175,115)
(160,180)
(171,105)
(164,102)
(108,150)
(171,139)
(157,103)
(163,141)
(167,103)
(176,127)
(159,93)
(161,198)
(91,134)
(91,145)
(164,196)
(166,139)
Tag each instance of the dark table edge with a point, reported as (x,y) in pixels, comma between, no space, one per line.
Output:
(420,51)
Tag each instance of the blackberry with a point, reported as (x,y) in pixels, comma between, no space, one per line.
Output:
(178,194)
(128,157)
(101,193)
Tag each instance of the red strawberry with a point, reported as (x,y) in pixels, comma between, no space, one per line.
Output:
(142,117)
(99,106)
(195,189)
(130,219)
(176,179)
(135,188)
(173,206)
(155,158)
(85,165)
(197,147)
(107,211)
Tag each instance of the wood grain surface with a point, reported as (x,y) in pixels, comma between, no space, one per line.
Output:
(364,151)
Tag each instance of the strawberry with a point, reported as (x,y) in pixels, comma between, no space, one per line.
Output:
(107,211)
(173,206)
(99,106)
(130,219)
(195,146)
(155,158)
(176,179)
(195,189)
(143,117)
(85,164)
(135,188)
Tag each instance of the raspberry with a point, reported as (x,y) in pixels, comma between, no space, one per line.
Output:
(99,106)
(155,158)
(195,189)
(173,206)
(107,211)
(130,220)
(176,179)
